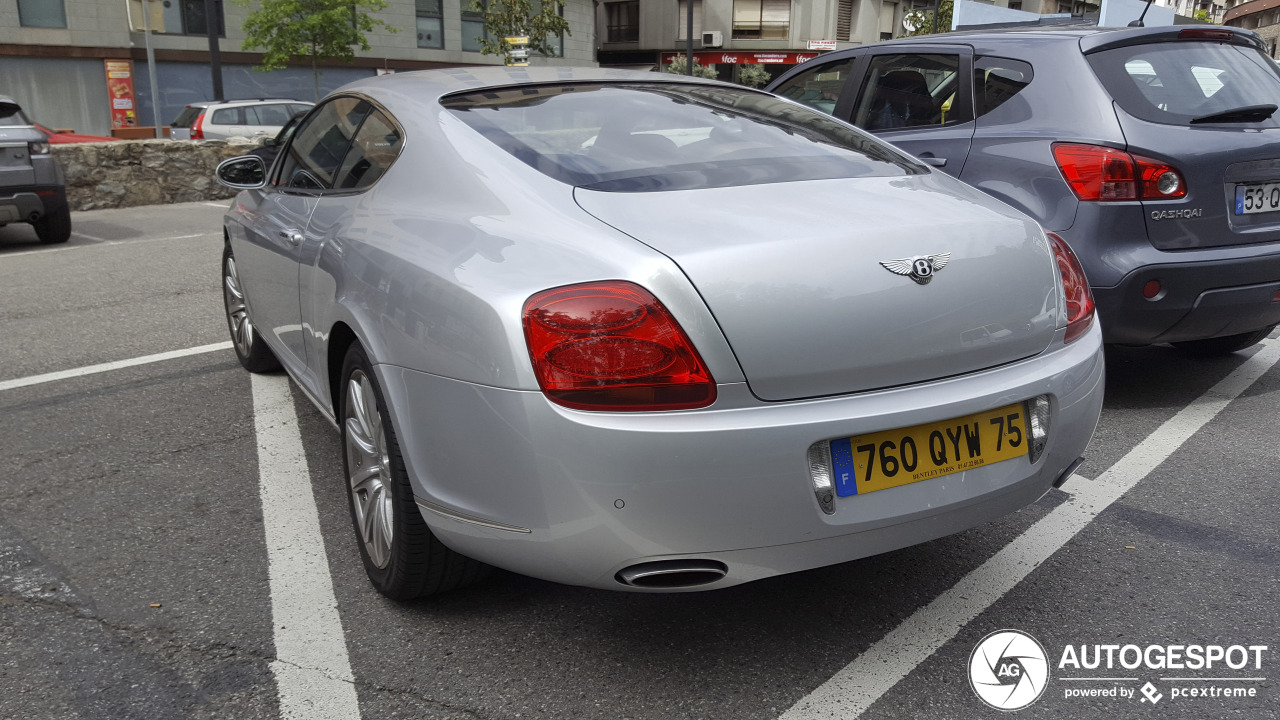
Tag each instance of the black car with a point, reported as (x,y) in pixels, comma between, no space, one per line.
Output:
(1154,152)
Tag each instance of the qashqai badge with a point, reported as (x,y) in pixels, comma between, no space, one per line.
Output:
(919,268)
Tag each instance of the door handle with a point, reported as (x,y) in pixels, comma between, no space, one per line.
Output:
(934,161)
(293,236)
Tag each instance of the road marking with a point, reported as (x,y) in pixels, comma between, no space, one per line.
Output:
(313,674)
(873,673)
(103,243)
(79,234)
(115,365)
(223,205)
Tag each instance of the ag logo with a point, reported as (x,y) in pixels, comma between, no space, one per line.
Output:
(1008,670)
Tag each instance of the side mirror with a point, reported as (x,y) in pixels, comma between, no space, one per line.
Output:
(242,173)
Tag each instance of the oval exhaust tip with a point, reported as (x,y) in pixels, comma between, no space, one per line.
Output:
(672,574)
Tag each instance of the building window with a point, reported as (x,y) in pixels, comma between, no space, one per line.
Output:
(194,21)
(42,13)
(1015,5)
(430,24)
(682,19)
(622,21)
(761,19)
(473,26)
(844,20)
(555,43)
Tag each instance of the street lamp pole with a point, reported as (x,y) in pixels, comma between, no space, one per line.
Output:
(151,71)
(688,36)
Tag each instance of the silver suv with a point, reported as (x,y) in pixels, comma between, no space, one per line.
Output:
(32,187)
(235,118)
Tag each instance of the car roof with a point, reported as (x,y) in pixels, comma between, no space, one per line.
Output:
(245,101)
(428,86)
(1072,32)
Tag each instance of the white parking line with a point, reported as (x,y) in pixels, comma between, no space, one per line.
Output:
(856,687)
(105,367)
(312,670)
(102,243)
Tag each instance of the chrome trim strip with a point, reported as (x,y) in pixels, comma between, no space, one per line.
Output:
(328,414)
(455,515)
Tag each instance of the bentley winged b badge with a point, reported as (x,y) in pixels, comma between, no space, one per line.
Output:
(919,268)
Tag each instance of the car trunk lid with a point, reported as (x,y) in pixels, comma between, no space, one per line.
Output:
(802,294)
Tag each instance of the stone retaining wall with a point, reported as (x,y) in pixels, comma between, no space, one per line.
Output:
(144,172)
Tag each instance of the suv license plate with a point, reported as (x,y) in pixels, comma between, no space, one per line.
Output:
(876,461)
(1262,198)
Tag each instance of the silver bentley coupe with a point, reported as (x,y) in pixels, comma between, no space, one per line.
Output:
(644,332)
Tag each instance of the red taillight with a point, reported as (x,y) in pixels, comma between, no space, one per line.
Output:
(197,129)
(1102,173)
(612,346)
(1075,287)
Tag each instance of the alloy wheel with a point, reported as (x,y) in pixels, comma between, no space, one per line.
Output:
(369,469)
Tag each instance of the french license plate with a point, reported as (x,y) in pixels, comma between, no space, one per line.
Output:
(1257,198)
(866,463)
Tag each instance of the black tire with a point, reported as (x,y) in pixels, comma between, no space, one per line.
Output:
(54,227)
(1214,347)
(414,563)
(251,349)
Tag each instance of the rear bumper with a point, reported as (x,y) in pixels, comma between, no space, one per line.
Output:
(24,204)
(584,495)
(1197,300)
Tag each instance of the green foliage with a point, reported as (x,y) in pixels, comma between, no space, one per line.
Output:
(328,29)
(922,20)
(679,67)
(520,18)
(1202,15)
(753,75)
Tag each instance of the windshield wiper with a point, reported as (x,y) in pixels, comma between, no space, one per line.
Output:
(1251,113)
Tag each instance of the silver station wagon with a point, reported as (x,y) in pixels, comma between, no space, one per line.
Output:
(650,333)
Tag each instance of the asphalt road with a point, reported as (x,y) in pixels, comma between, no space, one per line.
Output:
(134,573)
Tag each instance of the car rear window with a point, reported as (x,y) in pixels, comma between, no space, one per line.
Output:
(1178,82)
(186,117)
(647,137)
(11,114)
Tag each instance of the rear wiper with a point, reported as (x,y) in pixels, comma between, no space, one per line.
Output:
(1251,113)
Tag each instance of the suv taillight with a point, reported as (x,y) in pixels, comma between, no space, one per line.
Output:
(1075,288)
(197,129)
(613,346)
(1102,173)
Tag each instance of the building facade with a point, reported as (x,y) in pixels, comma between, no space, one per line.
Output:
(54,53)
(1260,16)
(773,33)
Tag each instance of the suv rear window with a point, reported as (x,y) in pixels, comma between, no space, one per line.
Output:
(1177,82)
(11,114)
(647,137)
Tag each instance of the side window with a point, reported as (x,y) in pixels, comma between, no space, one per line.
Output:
(272,115)
(909,91)
(376,146)
(995,80)
(818,88)
(228,116)
(318,147)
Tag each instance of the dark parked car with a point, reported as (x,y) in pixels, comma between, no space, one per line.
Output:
(1155,152)
(32,186)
